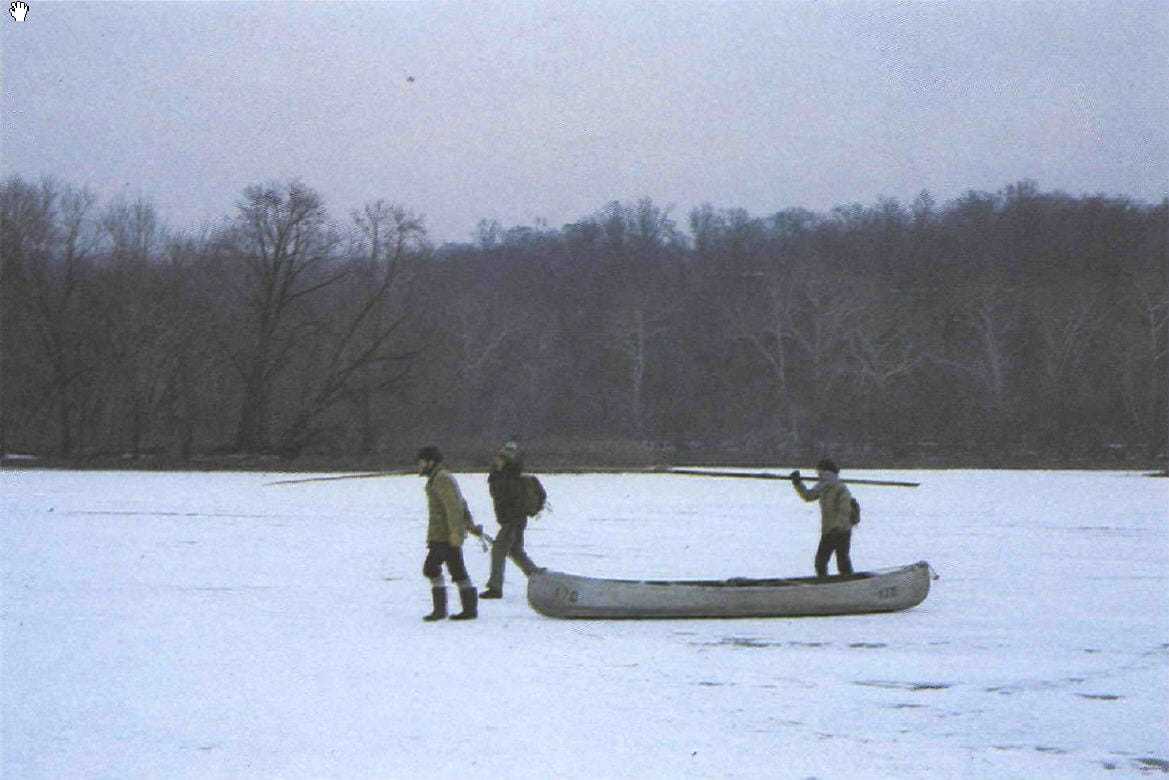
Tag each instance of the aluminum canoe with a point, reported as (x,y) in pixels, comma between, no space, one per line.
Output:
(561,595)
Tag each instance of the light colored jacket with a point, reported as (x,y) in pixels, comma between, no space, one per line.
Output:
(835,503)
(448,511)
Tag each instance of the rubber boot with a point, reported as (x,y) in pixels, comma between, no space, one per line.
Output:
(491,593)
(470,600)
(439,596)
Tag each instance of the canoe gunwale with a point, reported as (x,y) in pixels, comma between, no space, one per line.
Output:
(748,582)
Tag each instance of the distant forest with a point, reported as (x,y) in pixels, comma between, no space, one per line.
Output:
(1012,328)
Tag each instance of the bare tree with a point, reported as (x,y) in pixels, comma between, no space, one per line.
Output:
(1066,330)
(883,349)
(49,238)
(766,330)
(197,373)
(641,240)
(820,331)
(133,229)
(982,359)
(283,242)
(481,326)
(1144,354)
(143,321)
(361,361)
(26,231)
(636,331)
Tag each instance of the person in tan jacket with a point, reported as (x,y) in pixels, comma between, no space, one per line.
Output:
(449,522)
(835,516)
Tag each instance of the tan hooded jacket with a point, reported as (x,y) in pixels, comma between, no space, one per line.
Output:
(449,517)
(835,502)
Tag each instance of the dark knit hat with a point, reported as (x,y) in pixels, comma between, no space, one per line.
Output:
(431,453)
(828,465)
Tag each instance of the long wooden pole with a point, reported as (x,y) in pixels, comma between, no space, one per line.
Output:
(665,470)
(342,476)
(768,475)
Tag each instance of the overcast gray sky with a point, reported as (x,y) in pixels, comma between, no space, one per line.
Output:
(522,111)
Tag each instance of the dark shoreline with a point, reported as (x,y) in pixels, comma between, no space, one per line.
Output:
(550,465)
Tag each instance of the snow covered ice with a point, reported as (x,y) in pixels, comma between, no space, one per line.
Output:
(215,625)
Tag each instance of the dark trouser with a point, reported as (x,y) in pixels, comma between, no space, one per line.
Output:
(440,553)
(834,542)
(509,543)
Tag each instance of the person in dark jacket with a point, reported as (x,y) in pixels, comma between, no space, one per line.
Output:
(508,494)
(835,516)
(449,522)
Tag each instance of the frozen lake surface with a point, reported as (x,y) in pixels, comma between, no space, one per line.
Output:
(215,625)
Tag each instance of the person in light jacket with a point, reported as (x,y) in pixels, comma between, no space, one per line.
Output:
(835,516)
(447,528)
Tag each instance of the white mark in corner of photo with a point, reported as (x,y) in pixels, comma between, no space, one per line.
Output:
(18,10)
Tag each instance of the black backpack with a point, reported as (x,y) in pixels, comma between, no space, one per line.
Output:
(535,497)
(854,514)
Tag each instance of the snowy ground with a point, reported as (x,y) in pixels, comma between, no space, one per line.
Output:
(213,625)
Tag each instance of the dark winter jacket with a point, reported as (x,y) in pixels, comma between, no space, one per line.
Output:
(508,493)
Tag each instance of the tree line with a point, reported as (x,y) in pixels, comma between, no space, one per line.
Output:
(1014,327)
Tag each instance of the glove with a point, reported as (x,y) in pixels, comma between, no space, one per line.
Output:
(477,530)
(795,476)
